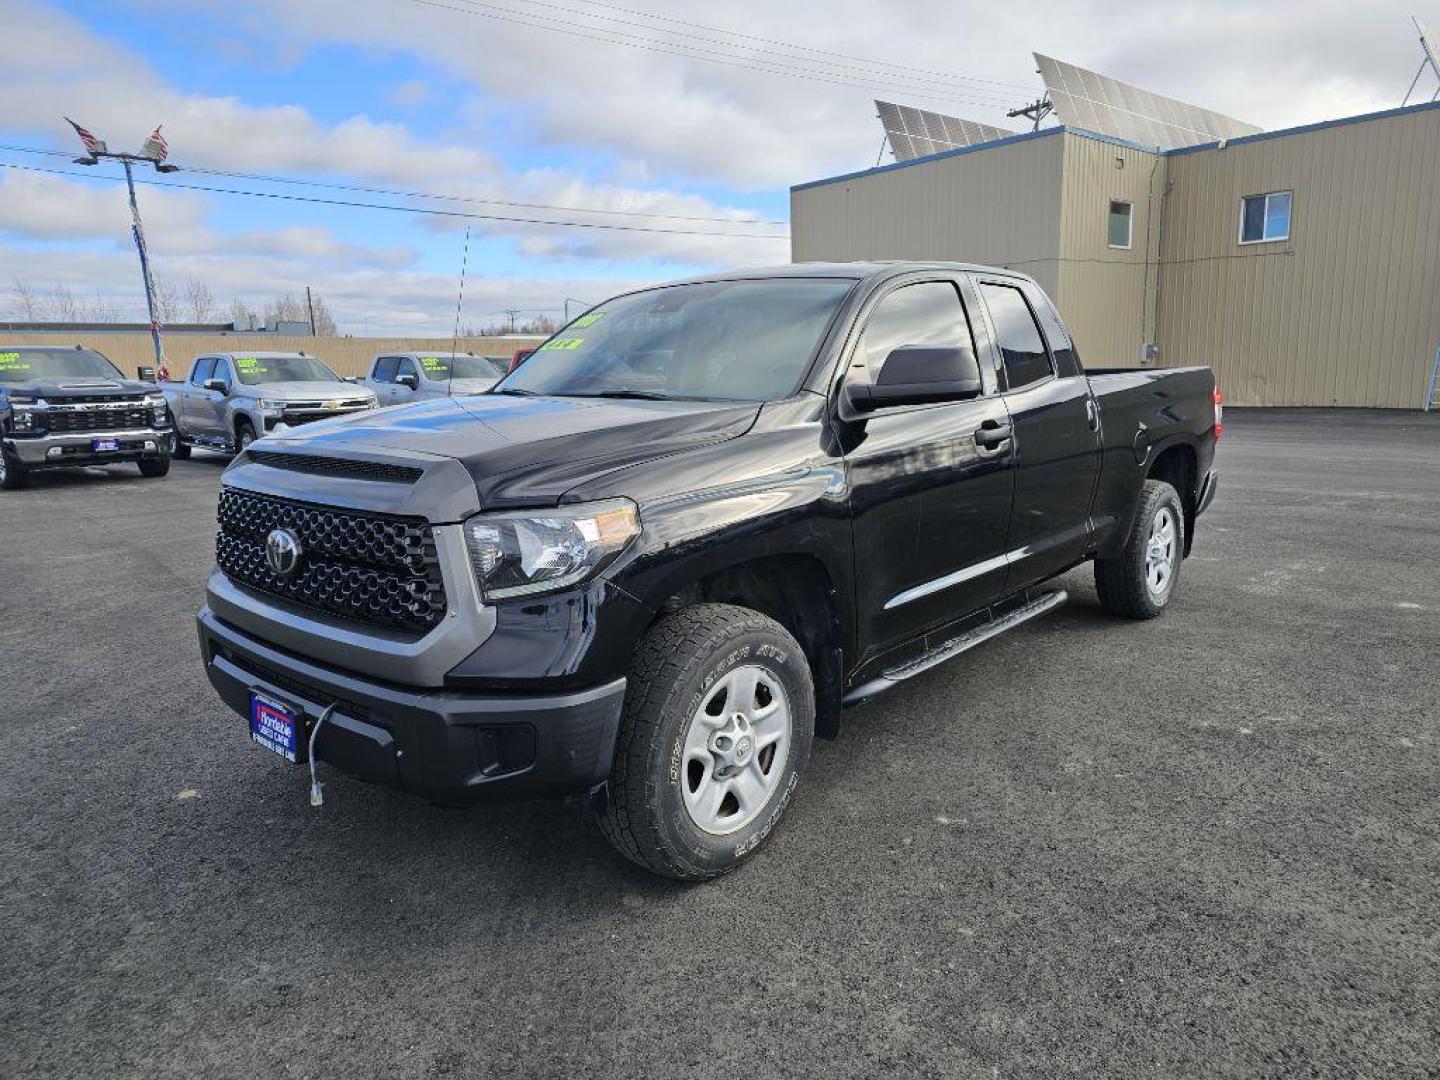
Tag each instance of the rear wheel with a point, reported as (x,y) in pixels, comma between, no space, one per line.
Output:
(719,716)
(12,474)
(155,467)
(1139,582)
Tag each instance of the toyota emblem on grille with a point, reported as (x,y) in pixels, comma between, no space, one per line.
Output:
(283,551)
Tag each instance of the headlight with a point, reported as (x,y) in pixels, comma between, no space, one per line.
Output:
(22,419)
(157,406)
(535,551)
(270,403)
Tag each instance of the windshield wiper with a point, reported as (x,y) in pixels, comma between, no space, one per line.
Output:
(638,395)
(515,391)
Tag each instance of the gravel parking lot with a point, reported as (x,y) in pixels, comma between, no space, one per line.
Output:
(1203,846)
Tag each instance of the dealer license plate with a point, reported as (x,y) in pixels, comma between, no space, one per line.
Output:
(99,445)
(275,726)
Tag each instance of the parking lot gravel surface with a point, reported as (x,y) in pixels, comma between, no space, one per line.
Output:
(1202,846)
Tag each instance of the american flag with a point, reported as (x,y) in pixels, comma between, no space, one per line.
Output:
(92,144)
(155,148)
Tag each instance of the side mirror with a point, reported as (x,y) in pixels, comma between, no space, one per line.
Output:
(218,385)
(919,375)
(412,381)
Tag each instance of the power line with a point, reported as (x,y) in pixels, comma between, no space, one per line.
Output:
(907,74)
(706,55)
(441,197)
(800,48)
(428,210)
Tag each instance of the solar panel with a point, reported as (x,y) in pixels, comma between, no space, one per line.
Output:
(1087,99)
(1430,42)
(915,133)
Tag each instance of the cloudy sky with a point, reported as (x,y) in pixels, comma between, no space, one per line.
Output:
(678,127)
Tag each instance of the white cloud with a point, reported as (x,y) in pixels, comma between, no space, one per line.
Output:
(410,94)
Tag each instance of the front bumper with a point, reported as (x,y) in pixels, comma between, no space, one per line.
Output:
(77,448)
(449,747)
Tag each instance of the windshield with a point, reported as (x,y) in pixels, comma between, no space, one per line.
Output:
(462,367)
(27,365)
(725,340)
(254,370)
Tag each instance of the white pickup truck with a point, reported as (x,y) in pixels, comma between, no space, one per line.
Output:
(397,378)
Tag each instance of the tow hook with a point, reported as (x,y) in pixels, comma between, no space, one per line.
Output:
(317,797)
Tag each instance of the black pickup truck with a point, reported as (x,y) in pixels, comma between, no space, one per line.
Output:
(666,550)
(63,406)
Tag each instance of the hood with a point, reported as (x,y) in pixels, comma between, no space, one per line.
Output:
(304,391)
(60,389)
(529,451)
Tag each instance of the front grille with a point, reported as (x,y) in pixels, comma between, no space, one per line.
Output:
(328,466)
(373,568)
(65,421)
(93,399)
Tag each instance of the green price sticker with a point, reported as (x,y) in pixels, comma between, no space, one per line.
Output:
(434,363)
(10,361)
(587,320)
(564,343)
(246,363)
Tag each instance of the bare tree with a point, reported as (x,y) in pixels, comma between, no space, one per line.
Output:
(167,302)
(286,309)
(324,322)
(243,314)
(199,302)
(25,300)
(101,310)
(63,307)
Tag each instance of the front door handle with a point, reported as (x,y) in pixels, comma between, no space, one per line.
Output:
(1092,414)
(992,438)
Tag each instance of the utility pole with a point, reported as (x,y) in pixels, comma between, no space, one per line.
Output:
(154,152)
(510,313)
(310,307)
(1037,110)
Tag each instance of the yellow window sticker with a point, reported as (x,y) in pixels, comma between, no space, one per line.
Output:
(564,343)
(10,361)
(434,363)
(587,320)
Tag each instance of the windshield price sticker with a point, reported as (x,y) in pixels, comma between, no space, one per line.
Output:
(434,363)
(10,361)
(248,365)
(564,343)
(587,320)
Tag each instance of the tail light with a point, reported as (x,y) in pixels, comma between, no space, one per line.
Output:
(1219,400)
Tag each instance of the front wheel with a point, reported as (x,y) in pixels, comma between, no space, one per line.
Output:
(178,449)
(1140,581)
(245,434)
(719,716)
(12,473)
(154,467)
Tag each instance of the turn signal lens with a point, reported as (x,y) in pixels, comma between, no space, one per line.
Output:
(1219,400)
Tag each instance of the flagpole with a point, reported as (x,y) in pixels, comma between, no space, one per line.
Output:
(153,153)
(138,229)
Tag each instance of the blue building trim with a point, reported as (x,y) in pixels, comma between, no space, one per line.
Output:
(1023,137)
(1383,114)
(1084,133)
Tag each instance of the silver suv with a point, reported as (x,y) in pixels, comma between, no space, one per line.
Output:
(231,399)
(398,378)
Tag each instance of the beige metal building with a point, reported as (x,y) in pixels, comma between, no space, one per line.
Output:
(1303,265)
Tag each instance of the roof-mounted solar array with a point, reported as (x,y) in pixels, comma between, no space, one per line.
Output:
(916,133)
(1087,99)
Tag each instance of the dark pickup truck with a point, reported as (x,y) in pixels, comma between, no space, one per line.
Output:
(666,550)
(63,406)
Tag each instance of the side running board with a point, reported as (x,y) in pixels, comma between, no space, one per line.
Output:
(955,646)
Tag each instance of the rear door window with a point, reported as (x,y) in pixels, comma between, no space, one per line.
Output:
(1021,345)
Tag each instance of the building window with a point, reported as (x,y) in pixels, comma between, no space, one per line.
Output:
(1120,223)
(1265,217)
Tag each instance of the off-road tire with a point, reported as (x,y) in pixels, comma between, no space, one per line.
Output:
(13,475)
(1121,581)
(155,467)
(679,658)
